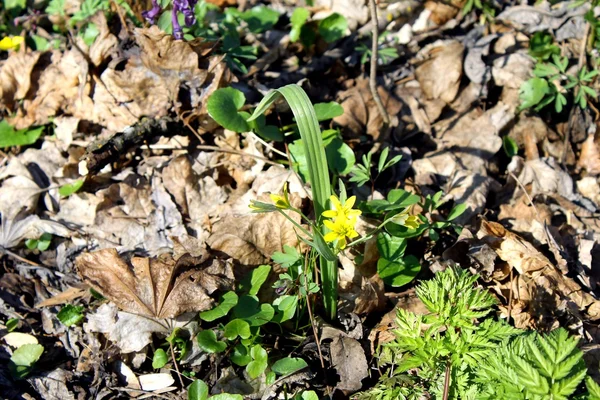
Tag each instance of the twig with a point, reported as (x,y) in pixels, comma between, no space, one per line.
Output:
(373,72)
(175,364)
(583,48)
(447,382)
(18,257)
(510,297)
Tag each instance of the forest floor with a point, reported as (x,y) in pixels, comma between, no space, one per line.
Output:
(132,265)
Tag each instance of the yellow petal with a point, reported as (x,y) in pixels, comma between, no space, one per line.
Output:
(9,43)
(350,202)
(330,214)
(342,243)
(335,202)
(354,213)
(352,234)
(329,224)
(330,237)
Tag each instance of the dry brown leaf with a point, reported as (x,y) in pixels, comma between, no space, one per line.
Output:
(251,239)
(350,362)
(15,77)
(440,70)
(589,158)
(63,297)
(158,287)
(541,289)
(360,111)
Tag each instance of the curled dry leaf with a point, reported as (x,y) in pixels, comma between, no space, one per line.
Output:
(251,239)
(350,362)
(360,110)
(158,287)
(440,73)
(539,281)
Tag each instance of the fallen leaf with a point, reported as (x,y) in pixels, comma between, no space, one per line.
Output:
(589,158)
(542,285)
(18,339)
(251,239)
(152,382)
(64,297)
(360,110)
(440,69)
(158,287)
(350,362)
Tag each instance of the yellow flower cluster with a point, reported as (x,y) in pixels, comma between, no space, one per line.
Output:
(10,42)
(343,221)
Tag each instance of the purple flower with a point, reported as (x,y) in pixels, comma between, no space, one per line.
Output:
(186,7)
(152,14)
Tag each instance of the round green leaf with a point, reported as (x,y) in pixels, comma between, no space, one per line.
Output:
(198,390)
(286,307)
(288,365)
(260,18)
(240,355)
(250,310)
(27,355)
(340,156)
(333,27)
(207,340)
(390,247)
(259,362)
(223,106)
(532,92)
(159,359)
(227,396)
(309,395)
(228,301)
(325,111)
(400,272)
(298,19)
(235,328)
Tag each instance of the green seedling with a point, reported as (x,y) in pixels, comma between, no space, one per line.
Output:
(24,358)
(551,83)
(458,351)
(23,137)
(71,315)
(330,29)
(42,243)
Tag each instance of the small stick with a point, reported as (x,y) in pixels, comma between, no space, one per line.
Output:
(446,382)
(373,72)
(175,364)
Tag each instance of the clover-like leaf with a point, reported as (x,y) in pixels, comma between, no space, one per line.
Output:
(223,106)
(288,365)
(532,92)
(399,272)
(237,328)
(228,301)
(333,27)
(207,340)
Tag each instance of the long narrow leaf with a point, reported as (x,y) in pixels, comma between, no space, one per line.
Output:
(318,173)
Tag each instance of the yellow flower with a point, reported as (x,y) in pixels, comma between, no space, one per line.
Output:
(343,211)
(407,220)
(281,202)
(10,42)
(341,229)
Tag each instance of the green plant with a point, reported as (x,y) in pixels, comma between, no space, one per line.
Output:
(361,173)
(330,29)
(542,47)
(242,332)
(24,358)
(70,315)
(11,137)
(486,8)
(551,82)
(42,243)
(198,390)
(458,351)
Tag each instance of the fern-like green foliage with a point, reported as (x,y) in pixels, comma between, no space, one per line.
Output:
(481,358)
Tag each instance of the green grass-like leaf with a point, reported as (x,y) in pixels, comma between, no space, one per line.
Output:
(318,172)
